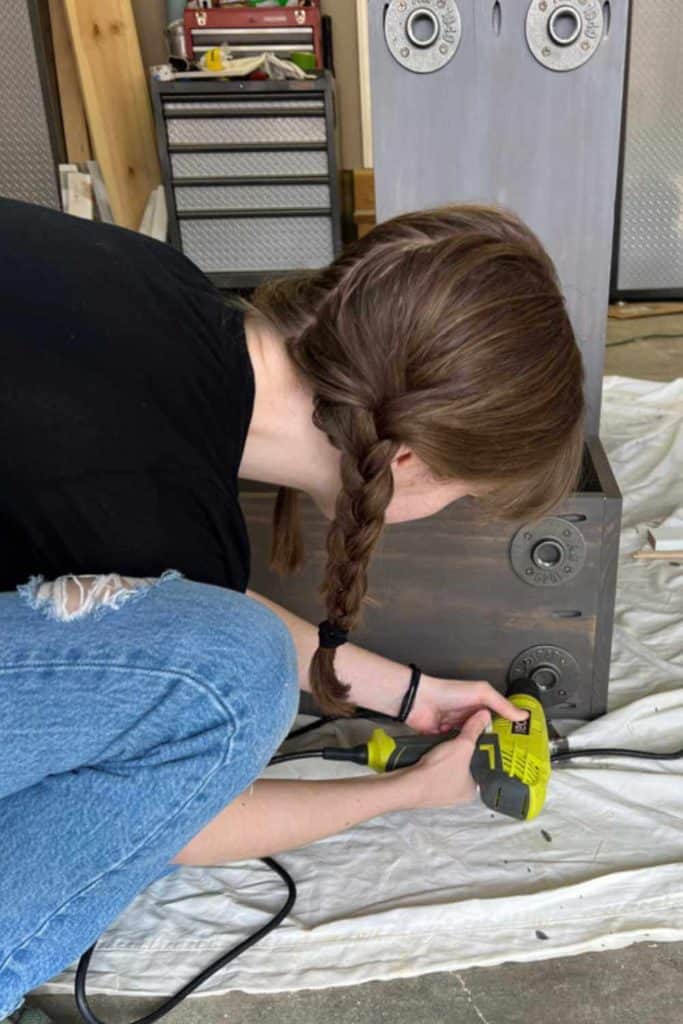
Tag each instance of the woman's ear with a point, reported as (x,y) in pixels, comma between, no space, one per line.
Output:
(403,459)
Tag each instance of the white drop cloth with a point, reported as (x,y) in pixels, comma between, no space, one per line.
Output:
(424,891)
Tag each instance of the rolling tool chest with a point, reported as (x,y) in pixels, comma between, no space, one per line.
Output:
(250,174)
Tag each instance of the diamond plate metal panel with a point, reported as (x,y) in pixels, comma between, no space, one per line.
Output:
(651,239)
(198,130)
(259,243)
(27,164)
(242,106)
(237,165)
(250,197)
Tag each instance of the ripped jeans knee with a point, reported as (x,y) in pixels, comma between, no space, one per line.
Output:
(71,597)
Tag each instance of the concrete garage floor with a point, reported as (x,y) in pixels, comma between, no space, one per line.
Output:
(637,985)
(659,356)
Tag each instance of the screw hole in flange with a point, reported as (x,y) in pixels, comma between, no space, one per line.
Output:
(564,26)
(546,678)
(547,554)
(422,27)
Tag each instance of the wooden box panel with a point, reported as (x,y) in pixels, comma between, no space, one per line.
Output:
(448,597)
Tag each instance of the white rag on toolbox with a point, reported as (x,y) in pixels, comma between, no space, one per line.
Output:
(416,892)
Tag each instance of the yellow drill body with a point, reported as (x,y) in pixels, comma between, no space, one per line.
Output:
(511,762)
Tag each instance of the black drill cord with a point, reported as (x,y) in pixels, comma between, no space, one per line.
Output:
(650,755)
(279,758)
(315,724)
(364,713)
(82,971)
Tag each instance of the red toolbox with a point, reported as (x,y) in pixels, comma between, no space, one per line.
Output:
(252,30)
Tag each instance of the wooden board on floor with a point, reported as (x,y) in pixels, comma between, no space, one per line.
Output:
(70,99)
(633,310)
(659,556)
(114,89)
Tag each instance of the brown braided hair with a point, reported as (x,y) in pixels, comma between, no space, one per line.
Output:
(443,330)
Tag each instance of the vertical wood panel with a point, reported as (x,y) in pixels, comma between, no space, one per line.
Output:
(70,99)
(343,14)
(364,81)
(116,99)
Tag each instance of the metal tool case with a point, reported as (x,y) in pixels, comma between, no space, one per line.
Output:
(248,30)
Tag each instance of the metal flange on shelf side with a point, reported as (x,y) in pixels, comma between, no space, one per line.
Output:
(549,553)
(422,35)
(554,670)
(564,34)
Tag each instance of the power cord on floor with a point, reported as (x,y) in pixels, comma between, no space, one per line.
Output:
(81,974)
(650,755)
(82,971)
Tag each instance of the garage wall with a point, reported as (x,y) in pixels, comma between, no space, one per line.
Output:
(150,16)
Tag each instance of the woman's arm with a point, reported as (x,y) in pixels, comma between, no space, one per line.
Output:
(275,815)
(376,682)
(380,684)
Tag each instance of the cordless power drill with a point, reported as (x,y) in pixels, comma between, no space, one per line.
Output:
(511,763)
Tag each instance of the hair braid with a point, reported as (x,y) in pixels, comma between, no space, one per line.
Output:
(367,488)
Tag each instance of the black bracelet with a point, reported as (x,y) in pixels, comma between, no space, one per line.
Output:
(409,699)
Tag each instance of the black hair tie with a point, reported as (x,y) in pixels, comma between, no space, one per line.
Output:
(331,636)
(409,699)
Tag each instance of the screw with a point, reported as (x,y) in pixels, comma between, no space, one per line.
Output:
(543,6)
(528,536)
(546,51)
(566,533)
(529,572)
(405,52)
(585,45)
(440,3)
(562,693)
(443,48)
(402,6)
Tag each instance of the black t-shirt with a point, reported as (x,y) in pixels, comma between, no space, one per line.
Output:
(126,392)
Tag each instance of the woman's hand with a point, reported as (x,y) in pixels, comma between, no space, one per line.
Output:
(444,704)
(442,777)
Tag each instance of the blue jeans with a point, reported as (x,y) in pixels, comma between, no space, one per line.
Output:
(122,734)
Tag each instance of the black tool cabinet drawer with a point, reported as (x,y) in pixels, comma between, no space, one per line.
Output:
(250,175)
